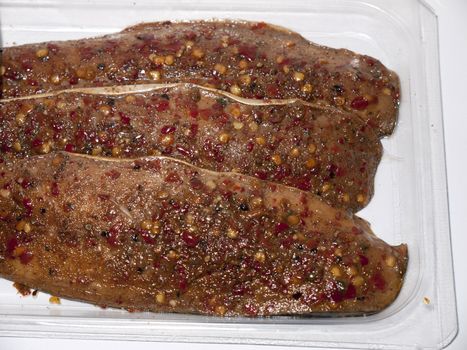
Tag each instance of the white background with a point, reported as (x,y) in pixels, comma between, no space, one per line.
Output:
(452,16)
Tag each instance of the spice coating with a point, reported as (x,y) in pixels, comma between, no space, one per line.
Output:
(249,59)
(322,150)
(161,235)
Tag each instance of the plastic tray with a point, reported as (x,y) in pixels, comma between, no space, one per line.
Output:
(410,203)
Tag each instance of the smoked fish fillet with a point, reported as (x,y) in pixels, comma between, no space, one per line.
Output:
(249,59)
(318,149)
(161,235)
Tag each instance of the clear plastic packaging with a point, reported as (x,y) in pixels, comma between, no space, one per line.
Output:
(410,203)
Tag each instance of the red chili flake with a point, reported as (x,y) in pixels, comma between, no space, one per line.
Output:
(272,90)
(183,284)
(154,165)
(227,194)
(73,114)
(370,61)
(190,239)
(13,75)
(162,106)
(261,175)
(11,245)
(112,237)
(214,150)
(157,263)
(183,151)
(207,113)
(36,142)
(287,242)
(247,51)
(227,182)
(303,184)
(5,148)
(281,227)
(335,170)
(73,80)
(53,48)
(249,146)
(91,242)
(147,237)
(27,203)
(26,257)
(196,183)
(363,260)
(239,289)
(54,189)
(26,65)
(125,119)
(251,309)
(87,100)
(80,135)
(113,174)
(172,177)
(282,172)
(336,295)
(351,292)
(194,113)
(193,130)
(168,129)
(167,150)
(378,281)
(259,25)
(305,213)
(359,103)
(25,183)
(356,230)
(69,147)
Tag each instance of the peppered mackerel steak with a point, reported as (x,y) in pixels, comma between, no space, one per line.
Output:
(249,59)
(162,235)
(322,150)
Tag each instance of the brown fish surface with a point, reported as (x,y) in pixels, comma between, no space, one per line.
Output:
(158,234)
(322,150)
(249,59)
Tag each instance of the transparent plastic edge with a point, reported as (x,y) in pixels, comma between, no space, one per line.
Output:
(447,312)
(202,339)
(444,270)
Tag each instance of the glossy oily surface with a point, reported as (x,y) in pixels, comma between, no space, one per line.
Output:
(409,184)
(249,59)
(156,234)
(317,149)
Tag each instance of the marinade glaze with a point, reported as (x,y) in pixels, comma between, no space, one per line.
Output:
(249,59)
(161,235)
(322,150)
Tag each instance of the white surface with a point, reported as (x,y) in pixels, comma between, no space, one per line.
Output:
(452,31)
